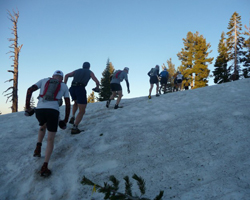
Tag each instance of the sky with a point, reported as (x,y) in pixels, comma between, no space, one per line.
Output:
(195,147)
(134,33)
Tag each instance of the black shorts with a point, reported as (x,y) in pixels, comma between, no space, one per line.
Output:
(78,94)
(153,79)
(179,81)
(115,87)
(164,80)
(50,117)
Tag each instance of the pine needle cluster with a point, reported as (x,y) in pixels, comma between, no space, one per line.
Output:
(111,190)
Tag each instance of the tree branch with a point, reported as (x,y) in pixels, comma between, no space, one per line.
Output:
(9,80)
(8,89)
(20,47)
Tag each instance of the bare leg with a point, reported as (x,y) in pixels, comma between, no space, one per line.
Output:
(41,133)
(50,146)
(112,95)
(157,88)
(74,109)
(150,89)
(119,97)
(80,114)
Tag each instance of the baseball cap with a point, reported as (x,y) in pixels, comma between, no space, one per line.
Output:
(126,68)
(58,73)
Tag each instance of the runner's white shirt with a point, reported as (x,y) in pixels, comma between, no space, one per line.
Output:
(63,92)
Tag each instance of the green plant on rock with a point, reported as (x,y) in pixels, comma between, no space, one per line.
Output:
(111,190)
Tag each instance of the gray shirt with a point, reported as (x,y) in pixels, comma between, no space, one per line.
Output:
(123,75)
(82,76)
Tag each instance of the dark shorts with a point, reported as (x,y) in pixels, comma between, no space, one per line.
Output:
(164,80)
(179,81)
(78,94)
(50,117)
(153,79)
(115,87)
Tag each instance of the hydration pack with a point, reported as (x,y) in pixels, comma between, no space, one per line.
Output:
(153,72)
(179,77)
(51,89)
(117,73)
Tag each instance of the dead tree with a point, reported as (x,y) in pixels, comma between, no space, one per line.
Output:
(15,55)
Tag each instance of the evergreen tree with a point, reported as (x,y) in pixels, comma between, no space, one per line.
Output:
(246,61)
(105,90)
(221,72)
(171,71)
(195,60)
(91,98)
(235,44)
(201,61)
(111,190)
(187,57)
(32,102)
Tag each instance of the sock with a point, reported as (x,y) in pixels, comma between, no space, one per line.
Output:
(39,144)
(45,164)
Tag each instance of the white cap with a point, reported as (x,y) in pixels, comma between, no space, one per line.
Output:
(58,73)
(126,68)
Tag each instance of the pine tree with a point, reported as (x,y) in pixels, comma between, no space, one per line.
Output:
(16,49)
(105,90)
(195,60)
(221,72)
(91,98)
(235,44)
(171,71)
(111,190)
(32,102)
(246,61)
(187,57)
(201,61)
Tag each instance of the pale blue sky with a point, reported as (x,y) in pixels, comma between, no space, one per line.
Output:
(132,33)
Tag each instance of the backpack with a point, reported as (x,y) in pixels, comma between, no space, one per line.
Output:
(51,89)
(117,73)
(151,73)
(179,77)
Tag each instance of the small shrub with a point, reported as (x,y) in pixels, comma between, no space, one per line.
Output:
(111,190)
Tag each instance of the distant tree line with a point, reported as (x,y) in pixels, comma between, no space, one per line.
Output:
(232,63)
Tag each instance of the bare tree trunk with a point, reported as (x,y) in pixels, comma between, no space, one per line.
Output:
(15,51)
(235,49)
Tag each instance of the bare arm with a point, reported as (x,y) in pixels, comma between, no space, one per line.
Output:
(127,86)
(95,79)
(71,74)
(67,109)
(29,94)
